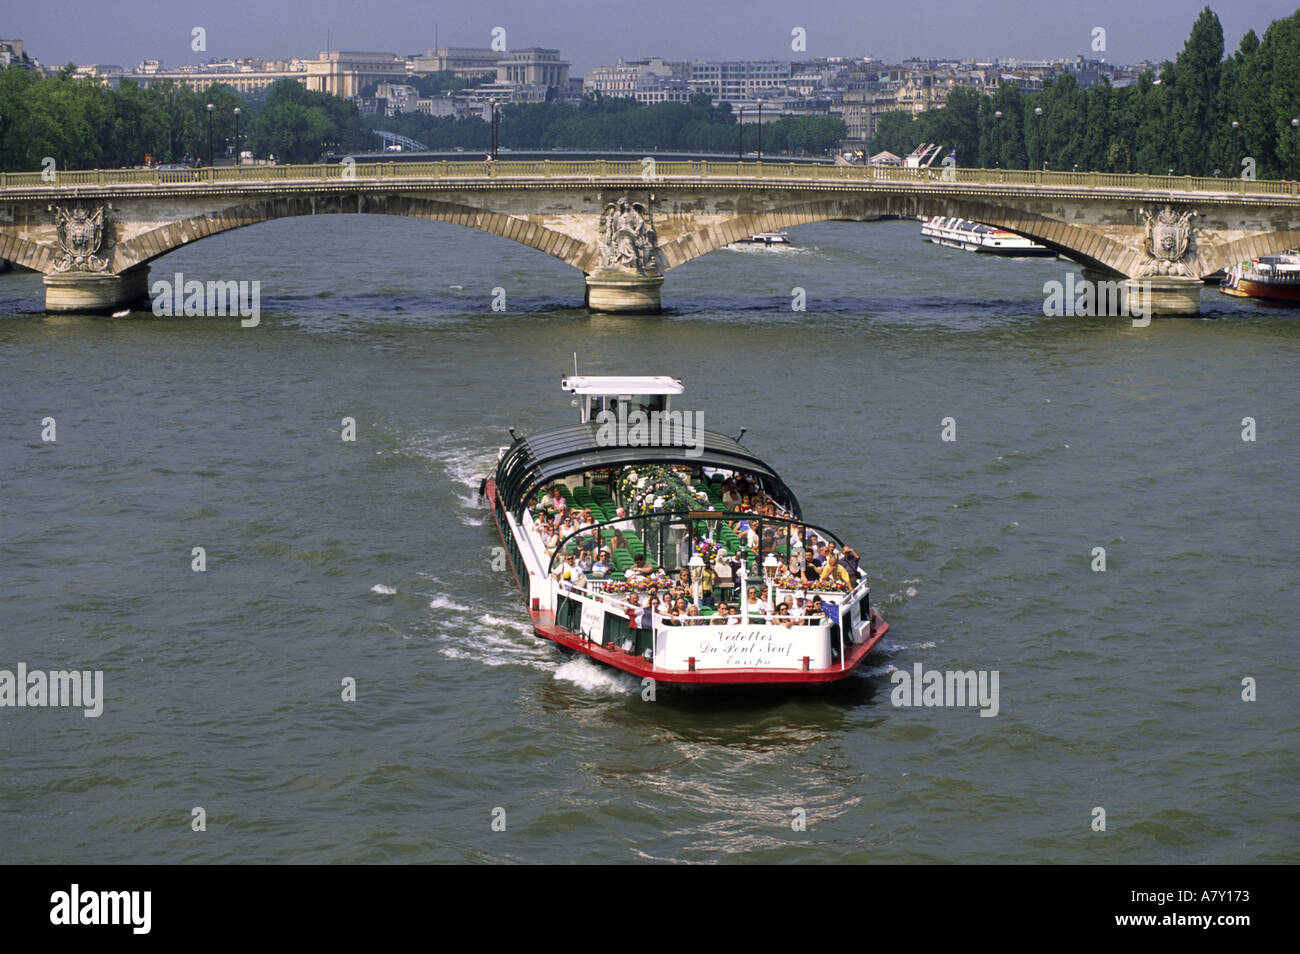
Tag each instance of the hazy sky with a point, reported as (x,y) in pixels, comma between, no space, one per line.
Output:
(591,33)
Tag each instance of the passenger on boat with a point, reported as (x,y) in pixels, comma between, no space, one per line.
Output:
(601,568)
(730,498)
(725,616)
(849,558)
(693,616)
(557,501)
(811,572)
(640,567)
(833,571)
(708,580)
(623,522)
(617,542)
(816,612)
(585,562)
(783,616)
(569,573)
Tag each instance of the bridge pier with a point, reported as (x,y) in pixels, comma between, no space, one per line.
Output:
(1166,294)
(95,292)
(619,291)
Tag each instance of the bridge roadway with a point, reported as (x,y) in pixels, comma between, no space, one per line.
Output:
(625,224)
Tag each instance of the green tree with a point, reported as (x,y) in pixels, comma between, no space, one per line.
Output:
(1196,94)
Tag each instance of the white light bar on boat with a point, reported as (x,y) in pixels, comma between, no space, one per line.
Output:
(614,385)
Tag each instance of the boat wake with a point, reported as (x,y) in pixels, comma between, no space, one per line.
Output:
(464,466)
(469,633)
(593,677)
(489,639)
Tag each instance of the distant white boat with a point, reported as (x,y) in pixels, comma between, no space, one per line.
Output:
(977,237)
(765,238)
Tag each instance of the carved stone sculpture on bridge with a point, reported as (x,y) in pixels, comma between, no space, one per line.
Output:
(626,238)
(81,233)
(1169,237)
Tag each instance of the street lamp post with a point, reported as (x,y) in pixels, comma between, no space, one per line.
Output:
(743,573)
(1236,166)
(740,144)
(1295,124)
(496,127)
(760,130)
(1038,134)
(210,109)
(997,121)
(769,576)
(237,152)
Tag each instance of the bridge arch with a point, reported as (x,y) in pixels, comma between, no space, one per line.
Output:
(147,246)
(1082,244)
(1251,246)
(33,255)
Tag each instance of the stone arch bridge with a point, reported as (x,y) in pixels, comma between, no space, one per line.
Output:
(624,224)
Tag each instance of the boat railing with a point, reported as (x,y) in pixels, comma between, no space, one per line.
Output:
(755,617)
(688,520)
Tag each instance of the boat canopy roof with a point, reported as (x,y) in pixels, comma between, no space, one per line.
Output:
(530,463)
(615,385)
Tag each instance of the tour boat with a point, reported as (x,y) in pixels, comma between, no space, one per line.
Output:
(977,237)
(1269,277)
(653,480)
(765,238)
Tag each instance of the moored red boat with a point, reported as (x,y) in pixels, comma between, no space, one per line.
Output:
(1269,278)
(700,568)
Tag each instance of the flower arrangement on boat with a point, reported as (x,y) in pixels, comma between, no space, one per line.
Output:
(637,584)
(658,489)
(788,582)
(707,549)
